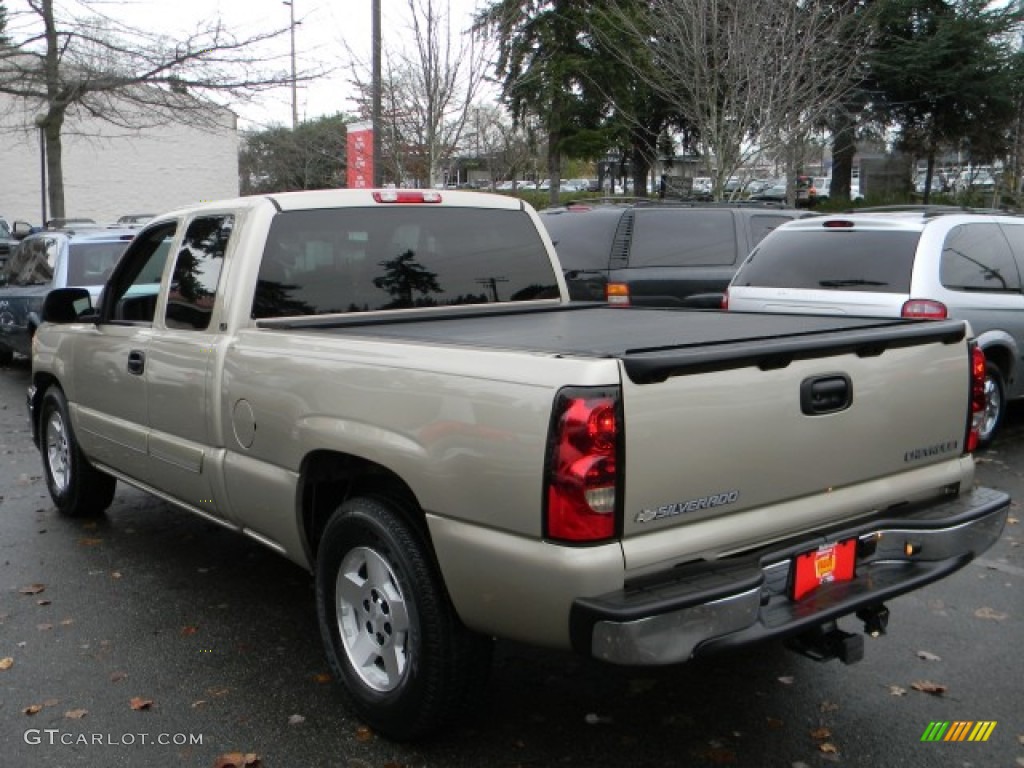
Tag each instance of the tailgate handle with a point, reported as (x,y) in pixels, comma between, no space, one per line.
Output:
(826,394)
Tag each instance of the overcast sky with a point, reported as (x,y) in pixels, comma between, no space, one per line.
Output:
(326,27)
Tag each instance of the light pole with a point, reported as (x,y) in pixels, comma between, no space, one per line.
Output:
(378,175)
(41,125)
(291,28)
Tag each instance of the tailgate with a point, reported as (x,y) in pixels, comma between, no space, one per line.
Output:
(741,445)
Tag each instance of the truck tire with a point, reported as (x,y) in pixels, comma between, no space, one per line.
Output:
(407,663)
(995,404)
(77,488)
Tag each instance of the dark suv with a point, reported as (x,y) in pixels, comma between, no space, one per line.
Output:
(649,253)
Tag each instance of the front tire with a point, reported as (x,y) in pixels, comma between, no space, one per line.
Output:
(407,662)
(995,405)
(77,488)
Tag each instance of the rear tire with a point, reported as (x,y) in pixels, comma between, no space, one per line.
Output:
(408,664)
(995,405)
(77,488)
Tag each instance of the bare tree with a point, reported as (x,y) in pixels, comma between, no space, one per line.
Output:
(507,148)
(428,90)
(748,75)
(65,68)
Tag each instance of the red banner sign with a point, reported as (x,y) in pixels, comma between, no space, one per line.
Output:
(359,148)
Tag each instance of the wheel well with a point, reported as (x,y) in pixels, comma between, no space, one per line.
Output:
(329,478)
(1000,357)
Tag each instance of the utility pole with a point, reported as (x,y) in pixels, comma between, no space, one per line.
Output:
(295,99)
(377,127)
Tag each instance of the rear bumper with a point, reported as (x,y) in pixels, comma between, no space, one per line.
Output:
(727,604)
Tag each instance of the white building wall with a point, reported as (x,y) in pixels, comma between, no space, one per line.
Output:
(109,171)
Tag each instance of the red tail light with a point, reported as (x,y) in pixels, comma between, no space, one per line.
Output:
(977,414)
(584,466)
(725,301)
(924,309)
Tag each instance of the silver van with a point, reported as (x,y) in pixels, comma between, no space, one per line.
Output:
(927,262)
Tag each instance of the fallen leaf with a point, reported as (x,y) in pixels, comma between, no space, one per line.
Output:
(323,677)
(115,575)
(76,714)
(720,755)
(775,723)
(44,627)
(6,662)
(363,733)
(296,720)
(67,622)
(821,734)
(1012,520)
(32,709)
(139,703)
(828,706)
(989,613)
(787,679)
(895,690)
(928,656)
(51,702)
(198,703)
(89,542)
(32,589)
(927,686)
(828,748)
(189,631)
(238,760)
(218,692)
(117,677)
(44,601)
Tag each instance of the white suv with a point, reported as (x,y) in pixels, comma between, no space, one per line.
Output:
(928,262)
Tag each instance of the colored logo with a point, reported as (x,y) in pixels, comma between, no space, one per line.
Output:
(959,730)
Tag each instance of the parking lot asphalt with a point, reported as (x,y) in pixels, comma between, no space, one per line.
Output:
(152,638)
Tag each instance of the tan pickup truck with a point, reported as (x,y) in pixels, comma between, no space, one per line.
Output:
(392,389)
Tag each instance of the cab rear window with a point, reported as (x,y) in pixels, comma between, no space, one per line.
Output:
(841,260)
(364,259)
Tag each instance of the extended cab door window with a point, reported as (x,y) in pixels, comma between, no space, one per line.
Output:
(196,273)
(131,293)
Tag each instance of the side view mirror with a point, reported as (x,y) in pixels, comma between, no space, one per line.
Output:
(66,305)
(21,229)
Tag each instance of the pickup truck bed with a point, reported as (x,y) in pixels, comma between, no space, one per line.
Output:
(652,343)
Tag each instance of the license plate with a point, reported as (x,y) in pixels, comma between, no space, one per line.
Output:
(825,565)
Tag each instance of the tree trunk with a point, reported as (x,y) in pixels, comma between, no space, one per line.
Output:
(844,147)
(54,164)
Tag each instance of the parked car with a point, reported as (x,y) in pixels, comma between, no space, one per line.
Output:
(48,260)
(819,191)
(133,219)
(7,243)
(931,262)
(778,190)
(656,253)
(67,223)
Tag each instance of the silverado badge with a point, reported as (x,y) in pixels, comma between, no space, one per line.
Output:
(690,505)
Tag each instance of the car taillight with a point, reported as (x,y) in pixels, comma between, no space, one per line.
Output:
(725,301)
(584,466)
(406,196)
(976,417)
(924,309)
(617,294)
